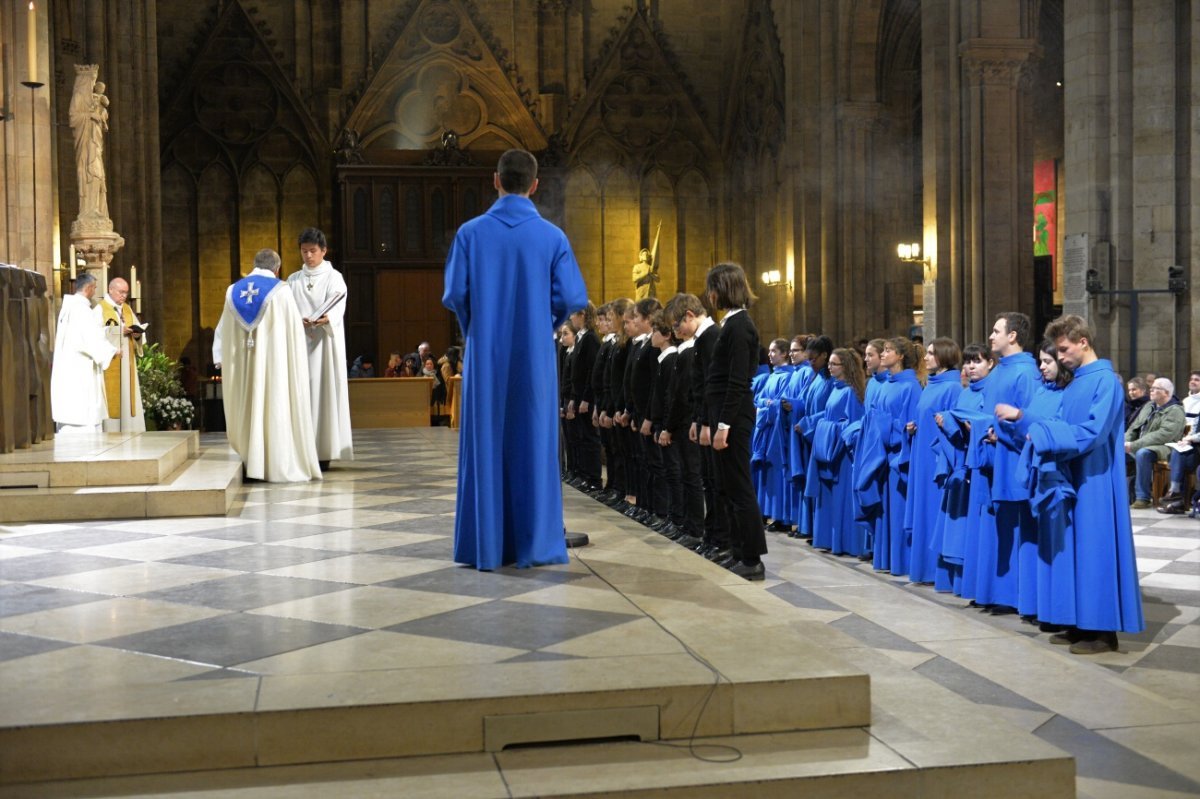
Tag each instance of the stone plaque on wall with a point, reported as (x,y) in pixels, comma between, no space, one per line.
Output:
(1075,266)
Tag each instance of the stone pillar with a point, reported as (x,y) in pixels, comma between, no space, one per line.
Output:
(997,160)
(862,305)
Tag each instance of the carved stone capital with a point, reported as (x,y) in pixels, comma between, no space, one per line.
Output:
(96,244)
(998,62)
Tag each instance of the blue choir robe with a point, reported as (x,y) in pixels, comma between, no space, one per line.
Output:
(869,473)
(1014,382)
(950,530)
(899,398)
(829,483)
(769,454)
(874,383)
(927,478)
(802,375)
(1107,594)
(1052,502)
(981,517)
(813,401)
(511,279)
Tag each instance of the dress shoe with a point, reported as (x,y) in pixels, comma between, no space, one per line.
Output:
(620,506)
(1095,644)
(729,562)
(719,556)
(752,573)
(1067,637)
(1175,507)
(689,541)
(777,527)
(644,516)
(867,556)
(1140,504)
(1047,627)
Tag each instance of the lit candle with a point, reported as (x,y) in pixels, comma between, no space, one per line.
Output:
(72,262)
(133,280)
(32,47)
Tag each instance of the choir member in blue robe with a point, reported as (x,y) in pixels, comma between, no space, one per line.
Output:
(876,374)
(1107,597)
(768,453)
(792,405)
(943,360)
(957,529)
(1053,498)
(872,515)
(511,279)
(1012,382)
(898,399)
(813,400)
(830,470)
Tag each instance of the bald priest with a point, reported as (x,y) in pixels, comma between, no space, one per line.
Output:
(260,348)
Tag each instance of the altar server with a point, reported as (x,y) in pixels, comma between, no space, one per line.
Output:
(81,354)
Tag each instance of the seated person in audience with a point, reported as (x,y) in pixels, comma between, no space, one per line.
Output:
(394,365)
(1136,397)
(411,366)
(1182,462)
(1158,423)
(363,366)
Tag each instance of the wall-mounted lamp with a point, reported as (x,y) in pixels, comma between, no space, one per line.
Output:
(773,277)
(911,254)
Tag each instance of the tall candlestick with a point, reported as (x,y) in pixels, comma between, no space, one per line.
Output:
(72,262)
(32,46)
(133,280)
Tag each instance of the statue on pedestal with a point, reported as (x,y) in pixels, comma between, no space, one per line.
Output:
(89,122)
(645,271)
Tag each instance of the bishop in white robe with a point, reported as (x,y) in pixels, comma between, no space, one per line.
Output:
(313,286)
(259,346)
(121,326)
(81,354)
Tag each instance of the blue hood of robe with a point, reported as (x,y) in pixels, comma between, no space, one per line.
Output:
(513,210)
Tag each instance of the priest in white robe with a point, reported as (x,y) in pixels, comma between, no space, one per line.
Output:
(81,354)
(259,347)
(123,328)
(314,286)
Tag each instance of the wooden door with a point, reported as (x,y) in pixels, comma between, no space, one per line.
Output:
(409,310)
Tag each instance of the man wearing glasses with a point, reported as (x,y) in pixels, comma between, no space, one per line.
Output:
(1158,423)
(124,331)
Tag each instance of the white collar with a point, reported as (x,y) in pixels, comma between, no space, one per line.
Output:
(705,324)
(256,272)
(686,345)
(108,298)
(665,352)
(313,271)
(611,337)
(730,315)
(641,338)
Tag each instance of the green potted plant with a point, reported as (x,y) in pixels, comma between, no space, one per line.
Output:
(162,392)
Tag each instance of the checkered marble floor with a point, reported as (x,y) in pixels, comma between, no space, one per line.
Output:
(354,573)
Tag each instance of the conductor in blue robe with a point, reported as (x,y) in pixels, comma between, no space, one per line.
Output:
(511,279)
(1107,595)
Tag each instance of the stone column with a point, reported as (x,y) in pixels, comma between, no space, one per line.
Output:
(997,162)
(864,302)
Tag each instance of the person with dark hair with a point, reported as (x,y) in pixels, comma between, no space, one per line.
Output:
(607,492)
(639,389)
(669,497)
(806,410)
(1087,438)
(1160,422)
(768,451)
(1137,394)
(314,286)
(1181,461)
(690,320)
(943,361)
(731,408)
(620,476)
(1012,382)
(967,492)
(511,280)
(677,419)
(791,408)
(363,366)
(587,437)
(1052,500)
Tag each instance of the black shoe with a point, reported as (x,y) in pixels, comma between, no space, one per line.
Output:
(718,556)
(1175,507)
(752,573)
(1047,627)
(777,527)
(620,506)
(729,562)
(323,465)
(867,556)
(658,524)
(1001,610)
(643,516)
(689,542)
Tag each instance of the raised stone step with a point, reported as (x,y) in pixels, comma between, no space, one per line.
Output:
(100,459)
(199,486)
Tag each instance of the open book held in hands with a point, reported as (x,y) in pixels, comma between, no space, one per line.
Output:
(1180,446)
(328,306)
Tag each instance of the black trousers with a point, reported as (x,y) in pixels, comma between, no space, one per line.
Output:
(634,463)
(716,514)
(691,484)
(587,449)
(653,493)
(672,483)
(746,535)
(614,462)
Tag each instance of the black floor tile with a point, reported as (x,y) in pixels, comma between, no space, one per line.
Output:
(255,557)
(245,592)
(13,646)
(874,635)
(231,639)
(469,582)
(967,683)
(264,532)
(430,506)
(802,597)
(514,624)
(1101,758)
(440,549)
(1172,658)
(1183,567)
(18,598)
(54,564)
(430,525)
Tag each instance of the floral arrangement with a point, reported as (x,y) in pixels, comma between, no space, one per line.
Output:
(172,411)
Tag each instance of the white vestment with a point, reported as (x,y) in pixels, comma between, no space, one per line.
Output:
(81,354)
(264,383)
(327,365)
(132,417)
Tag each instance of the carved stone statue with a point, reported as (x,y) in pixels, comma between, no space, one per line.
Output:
(89,122)
(350,149)
(643,276)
